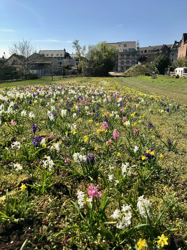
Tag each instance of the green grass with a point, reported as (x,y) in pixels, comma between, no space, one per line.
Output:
(41,81)
(175,88)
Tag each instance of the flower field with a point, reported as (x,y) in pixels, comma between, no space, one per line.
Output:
(92,164)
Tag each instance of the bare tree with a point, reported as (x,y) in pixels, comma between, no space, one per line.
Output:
(25,50)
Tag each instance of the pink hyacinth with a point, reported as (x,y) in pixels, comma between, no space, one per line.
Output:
(124,119)
(134,105)
(59,105)
(115,134)
(12,123)
(105,126)
(127,104)
(93,192)
(135,131)
(67,160)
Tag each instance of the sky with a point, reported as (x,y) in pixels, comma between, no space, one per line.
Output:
(55,24)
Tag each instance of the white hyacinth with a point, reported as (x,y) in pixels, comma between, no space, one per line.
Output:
(31,115)
(48,163)
(16,145)
(17,166)
(125,169)
(63,112)
(81,199)
(143,206)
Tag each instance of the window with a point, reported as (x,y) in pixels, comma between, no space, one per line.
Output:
(124,50)
(60,54)
(128,62)
(124,45)
(47,55)
(132,50)
(122,57)
(56,54)
(122,62)
(51,54)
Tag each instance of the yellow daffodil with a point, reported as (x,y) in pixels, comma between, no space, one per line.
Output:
(162,240)
(161,156)
(141,244)
(23,187)
(95,148)
(118,154)
(44,145)
(153,136)
(90,121)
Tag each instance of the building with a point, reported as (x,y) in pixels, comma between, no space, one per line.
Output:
(148,54)
(127,55)
(182,50)
(173,55)
(15,61)
(62,57)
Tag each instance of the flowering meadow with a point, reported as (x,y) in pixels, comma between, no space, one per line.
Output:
(92,164)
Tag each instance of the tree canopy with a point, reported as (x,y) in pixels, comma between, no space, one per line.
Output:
(99,60)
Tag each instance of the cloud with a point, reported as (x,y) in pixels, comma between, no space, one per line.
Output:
(7,30)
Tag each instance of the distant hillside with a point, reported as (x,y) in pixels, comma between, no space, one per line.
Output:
(137,70)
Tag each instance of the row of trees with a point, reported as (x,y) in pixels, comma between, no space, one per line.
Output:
(99,59)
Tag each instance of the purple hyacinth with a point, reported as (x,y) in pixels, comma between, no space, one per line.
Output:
(150,125)
(91,159)
(105,119)
(36,140)
(167,110)
(16,106)
(34,128)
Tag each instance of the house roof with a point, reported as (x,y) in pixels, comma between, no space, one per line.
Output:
(156,47)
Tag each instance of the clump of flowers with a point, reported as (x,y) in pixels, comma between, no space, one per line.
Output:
(149,153)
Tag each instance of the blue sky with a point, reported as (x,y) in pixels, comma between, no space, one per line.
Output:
(54,24)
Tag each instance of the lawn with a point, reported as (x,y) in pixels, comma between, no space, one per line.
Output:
(93,163)
(163,85)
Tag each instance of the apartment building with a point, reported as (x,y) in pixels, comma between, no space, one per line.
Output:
(182,51)
(173,55)
(127,55)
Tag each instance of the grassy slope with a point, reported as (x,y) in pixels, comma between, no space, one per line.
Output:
(171,87)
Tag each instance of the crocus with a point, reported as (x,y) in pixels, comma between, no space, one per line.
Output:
(115,134)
